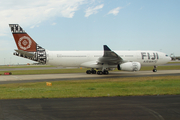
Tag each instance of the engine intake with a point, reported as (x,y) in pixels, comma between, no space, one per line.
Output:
(129,66)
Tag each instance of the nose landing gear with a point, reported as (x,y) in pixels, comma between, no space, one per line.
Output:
(155,70)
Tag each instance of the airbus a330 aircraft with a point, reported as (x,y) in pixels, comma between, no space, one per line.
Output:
(103,61)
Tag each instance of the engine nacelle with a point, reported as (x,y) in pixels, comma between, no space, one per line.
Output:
(129,66)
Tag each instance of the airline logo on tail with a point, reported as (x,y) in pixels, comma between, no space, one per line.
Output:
(22,39)
(25,43)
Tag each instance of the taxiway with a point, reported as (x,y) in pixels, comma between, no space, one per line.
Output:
(4,79)
(105,108)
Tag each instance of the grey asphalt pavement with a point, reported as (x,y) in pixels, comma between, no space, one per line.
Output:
(105,108)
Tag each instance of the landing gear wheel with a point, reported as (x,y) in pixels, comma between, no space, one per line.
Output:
(154,70)
(99,72)
(88,72)
(106,72)
(93,71)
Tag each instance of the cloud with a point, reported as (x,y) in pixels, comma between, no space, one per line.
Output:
(141,8)
(31,13)
(54,23)
(93,10)
(128,4)
(115,11)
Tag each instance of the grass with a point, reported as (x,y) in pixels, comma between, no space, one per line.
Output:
(168,85)
(24,66)
(173,62)
(48,71)
(177,67)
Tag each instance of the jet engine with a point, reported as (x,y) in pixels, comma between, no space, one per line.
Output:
(129,66)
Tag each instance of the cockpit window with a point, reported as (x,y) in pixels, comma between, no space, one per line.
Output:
(166,55)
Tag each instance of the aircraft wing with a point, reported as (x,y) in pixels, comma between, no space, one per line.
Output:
(25,53)
(110,57)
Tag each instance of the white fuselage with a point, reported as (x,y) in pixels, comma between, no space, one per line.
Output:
(77,58)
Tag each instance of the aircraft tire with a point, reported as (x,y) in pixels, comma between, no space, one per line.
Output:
(99,73)
(106,72)
(93,71)
(88,72)
(154,70)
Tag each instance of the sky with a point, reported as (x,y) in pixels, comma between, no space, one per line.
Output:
(64,25)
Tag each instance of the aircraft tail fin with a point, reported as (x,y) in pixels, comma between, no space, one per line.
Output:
(23,40)
(25,43)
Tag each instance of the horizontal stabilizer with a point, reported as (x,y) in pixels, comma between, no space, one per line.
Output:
(24,53)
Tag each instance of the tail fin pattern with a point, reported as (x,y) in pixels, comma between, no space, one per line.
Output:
(26,44)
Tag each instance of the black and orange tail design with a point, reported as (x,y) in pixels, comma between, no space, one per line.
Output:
(27,47)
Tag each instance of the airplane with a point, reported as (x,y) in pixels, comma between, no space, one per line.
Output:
(102,61)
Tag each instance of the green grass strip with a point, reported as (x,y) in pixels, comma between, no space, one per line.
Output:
(168,85)
(25,66)
(48,71)
(160,68)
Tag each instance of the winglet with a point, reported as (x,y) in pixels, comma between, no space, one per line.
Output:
(106,48)
(110,57)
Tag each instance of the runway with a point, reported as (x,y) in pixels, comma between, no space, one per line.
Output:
(105,108)
(4,79)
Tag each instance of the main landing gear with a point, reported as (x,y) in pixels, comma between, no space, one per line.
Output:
(91,71)
(105,72)
(155,70)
